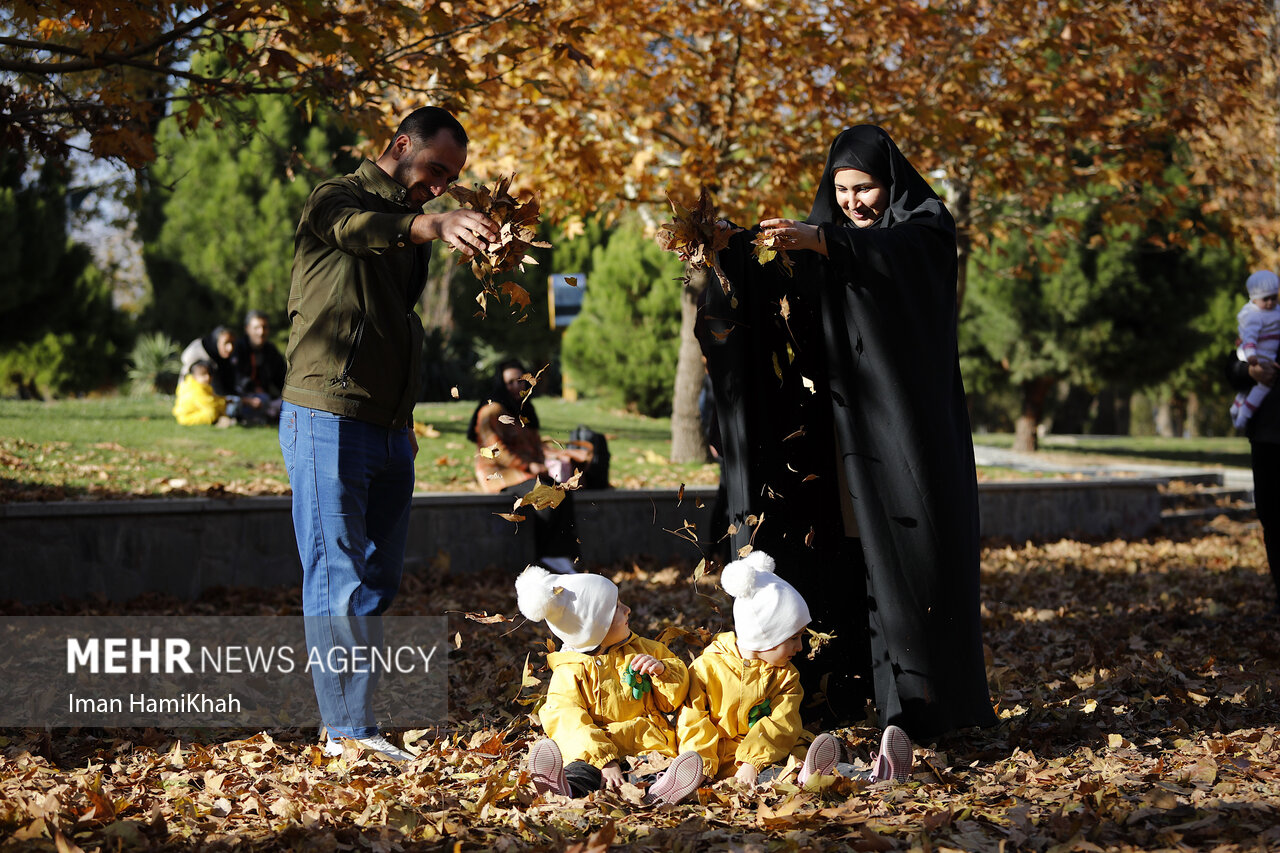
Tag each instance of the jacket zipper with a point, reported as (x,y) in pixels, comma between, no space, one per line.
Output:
(341,378)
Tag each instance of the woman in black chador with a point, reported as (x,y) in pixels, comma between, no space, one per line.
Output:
(848,454)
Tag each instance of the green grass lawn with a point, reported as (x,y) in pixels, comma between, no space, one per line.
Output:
(119,447)
(122,447)
(1230,451)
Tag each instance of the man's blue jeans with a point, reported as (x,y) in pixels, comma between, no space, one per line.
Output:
(352,484)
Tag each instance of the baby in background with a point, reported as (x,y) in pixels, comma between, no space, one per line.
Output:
(1258,327)
(195,402)
(610,692)
(742,715)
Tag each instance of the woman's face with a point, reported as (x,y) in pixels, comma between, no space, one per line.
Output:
(511,377)
(226,343)
(862,198)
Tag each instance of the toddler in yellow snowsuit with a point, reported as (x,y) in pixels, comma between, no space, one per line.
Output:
(195,402)
(742,715)
(610,691)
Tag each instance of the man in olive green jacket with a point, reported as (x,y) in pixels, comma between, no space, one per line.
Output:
(359,266)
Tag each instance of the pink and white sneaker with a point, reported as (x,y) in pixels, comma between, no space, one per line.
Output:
(894,760)
(546,767)
(678,781)
(821,758)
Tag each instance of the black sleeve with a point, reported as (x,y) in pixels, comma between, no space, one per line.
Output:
(1236,373)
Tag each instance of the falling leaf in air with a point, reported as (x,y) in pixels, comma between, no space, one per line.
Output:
(771,247)
(696,234)
(517,222)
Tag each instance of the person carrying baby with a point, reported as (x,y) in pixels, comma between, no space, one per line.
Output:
(742,715)
(610,692)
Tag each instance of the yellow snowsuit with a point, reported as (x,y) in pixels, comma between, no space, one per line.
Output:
(593,716)
(717,719)
(197,404)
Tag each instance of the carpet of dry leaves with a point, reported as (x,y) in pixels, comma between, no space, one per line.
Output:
(1136,685)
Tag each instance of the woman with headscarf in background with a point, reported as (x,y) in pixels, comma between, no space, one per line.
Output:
(215,348)
(848,454)
(511,459)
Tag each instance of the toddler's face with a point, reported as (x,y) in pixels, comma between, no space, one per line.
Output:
(620,628)
(781,654)
(1266,303)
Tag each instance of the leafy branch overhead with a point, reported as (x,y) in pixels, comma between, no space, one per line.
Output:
(696,234)
(517,223)
(112,71)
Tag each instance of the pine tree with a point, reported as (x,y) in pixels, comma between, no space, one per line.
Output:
(58,326)
(624,341)
(1105,304)
(220,211)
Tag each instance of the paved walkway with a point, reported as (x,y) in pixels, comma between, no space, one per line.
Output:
(1051,462)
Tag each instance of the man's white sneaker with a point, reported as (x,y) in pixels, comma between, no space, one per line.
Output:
(377,744)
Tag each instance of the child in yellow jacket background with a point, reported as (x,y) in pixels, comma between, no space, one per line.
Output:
(743,711)
(195,402)
(610,691)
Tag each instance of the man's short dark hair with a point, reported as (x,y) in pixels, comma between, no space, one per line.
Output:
(255,314)
(425,122)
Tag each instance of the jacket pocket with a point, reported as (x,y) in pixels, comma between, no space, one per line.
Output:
(344,375)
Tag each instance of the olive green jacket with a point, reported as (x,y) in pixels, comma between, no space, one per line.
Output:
(355,342)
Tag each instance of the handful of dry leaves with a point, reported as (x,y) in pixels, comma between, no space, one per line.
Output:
(517,223)
(696,234)
(768,247)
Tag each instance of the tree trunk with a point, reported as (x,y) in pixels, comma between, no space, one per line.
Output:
(437,312)
(1164,416)
(688,444)
(1034,393)
(1124,412)
(1194,416)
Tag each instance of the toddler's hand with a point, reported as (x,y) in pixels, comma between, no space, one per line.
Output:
(648,665)
(612,776)
(746,774)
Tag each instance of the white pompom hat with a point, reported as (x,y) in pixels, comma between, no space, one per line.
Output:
(577,608)
(1262,283)
(766,609)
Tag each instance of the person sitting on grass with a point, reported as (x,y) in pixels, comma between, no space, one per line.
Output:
(742,714)
(196,403)
(215,348)
(511,458)
(259,371)
(609,694)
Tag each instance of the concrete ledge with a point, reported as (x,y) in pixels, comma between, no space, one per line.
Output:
(181,547)
(1124,507)
(118,550)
